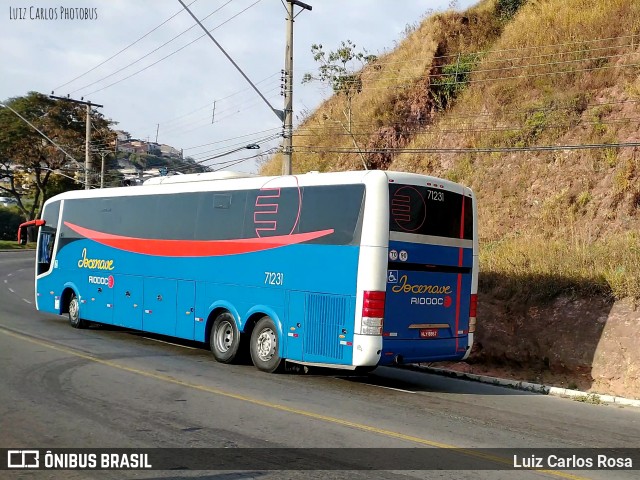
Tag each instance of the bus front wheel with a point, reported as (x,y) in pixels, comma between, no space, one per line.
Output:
(265,345)
(224,339)
(74,313)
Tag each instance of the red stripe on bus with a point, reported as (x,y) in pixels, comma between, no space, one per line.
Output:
(195,248)
(460,259)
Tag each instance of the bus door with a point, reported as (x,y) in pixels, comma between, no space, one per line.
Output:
(185,313)
(160,306)
(128,302)
(429,276)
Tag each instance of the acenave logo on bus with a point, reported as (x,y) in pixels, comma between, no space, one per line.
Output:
(94,263)
(108,281)
(406,287)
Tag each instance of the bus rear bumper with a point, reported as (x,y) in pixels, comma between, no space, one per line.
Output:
(366,350)
(399,352)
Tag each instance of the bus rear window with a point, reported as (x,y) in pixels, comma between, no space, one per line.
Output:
(429,211)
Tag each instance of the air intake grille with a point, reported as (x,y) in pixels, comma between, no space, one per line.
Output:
(325,317)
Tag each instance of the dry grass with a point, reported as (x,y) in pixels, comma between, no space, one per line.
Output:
(542,268)
(560,72)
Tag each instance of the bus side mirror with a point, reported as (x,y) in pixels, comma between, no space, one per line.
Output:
(22,230)
(22,236)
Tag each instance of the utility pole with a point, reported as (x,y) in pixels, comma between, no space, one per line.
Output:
(288,87)
(88,165)
(102,154)
(285,116)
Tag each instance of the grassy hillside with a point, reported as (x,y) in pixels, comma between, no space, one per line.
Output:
(536,109)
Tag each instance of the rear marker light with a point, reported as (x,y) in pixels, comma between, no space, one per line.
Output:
(473,308)
(473,311)
(372,312)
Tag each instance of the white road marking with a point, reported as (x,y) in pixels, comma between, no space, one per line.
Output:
(12,290)
(9,274)
(389,388)
(169,343)
(6,281)
(26,301)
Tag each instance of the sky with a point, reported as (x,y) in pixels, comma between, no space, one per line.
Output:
(142,60)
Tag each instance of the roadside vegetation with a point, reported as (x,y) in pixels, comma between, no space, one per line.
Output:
(533,104)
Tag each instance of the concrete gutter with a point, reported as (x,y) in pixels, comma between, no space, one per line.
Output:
(578,395)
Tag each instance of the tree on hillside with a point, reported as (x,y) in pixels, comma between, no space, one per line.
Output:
(342,69)
(28,162)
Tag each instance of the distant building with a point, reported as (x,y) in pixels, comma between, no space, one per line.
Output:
(153,148)
(169,151)
(133,145)
(123,136)
(126,147)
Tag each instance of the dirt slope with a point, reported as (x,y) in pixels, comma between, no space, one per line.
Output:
(537,110)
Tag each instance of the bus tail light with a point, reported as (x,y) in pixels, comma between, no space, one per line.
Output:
(473,312)
(372,313)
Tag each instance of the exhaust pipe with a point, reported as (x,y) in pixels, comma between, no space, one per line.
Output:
(398,360)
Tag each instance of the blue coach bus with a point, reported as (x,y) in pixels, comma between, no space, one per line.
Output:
(348,270)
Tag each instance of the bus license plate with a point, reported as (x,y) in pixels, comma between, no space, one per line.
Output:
(428,332)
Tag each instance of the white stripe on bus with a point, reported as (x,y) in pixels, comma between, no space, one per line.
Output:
(430,239)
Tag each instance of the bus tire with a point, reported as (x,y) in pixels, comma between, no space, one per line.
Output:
(264,346)
(224,338)
(74,313)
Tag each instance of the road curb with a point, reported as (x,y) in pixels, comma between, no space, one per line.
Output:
(534,387)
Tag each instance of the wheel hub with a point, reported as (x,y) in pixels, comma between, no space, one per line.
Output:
(266,345)
(224,337)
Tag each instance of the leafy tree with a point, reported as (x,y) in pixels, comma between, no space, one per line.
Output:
(342,69)
(28,162)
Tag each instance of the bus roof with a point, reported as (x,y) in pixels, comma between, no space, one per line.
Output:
(227,180)
(198,177)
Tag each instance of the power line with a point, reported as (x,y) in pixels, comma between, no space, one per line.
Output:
(535,148)
(123,50)
(41,133)
(481,53)
(147,54)
(233,138)
(230,111)
(208,104)
(167,56)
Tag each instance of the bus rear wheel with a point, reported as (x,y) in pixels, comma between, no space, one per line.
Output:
(224,338)
(265,346)
(74,313)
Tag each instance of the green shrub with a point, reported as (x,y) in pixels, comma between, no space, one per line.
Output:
(10,220)
(453,79)
(506,9)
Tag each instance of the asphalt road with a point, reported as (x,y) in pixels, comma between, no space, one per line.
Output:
(113,388)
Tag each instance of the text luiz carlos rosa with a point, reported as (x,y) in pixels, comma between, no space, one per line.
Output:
(572,461)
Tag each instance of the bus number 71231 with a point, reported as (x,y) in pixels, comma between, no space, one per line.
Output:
(273,278)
